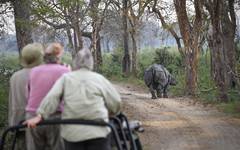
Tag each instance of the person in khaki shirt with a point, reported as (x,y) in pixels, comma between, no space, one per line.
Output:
(86,95)
(31,56)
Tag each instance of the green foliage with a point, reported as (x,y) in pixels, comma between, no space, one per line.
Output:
(169,58)
(163,56)
(178,90)
(67,58)
(8,65)
(146,58)
(231,108)
(111,66)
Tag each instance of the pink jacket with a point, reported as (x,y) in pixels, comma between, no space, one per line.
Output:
(41,80)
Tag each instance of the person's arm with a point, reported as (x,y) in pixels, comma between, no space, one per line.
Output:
(32,123)
(52,100)
(49,104)
(112,98)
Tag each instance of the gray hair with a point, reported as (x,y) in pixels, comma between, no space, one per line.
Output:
(83,59)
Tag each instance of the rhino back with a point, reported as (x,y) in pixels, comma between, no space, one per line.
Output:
(148,76)
(160,76)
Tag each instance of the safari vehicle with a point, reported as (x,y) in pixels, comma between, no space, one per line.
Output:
(124,132)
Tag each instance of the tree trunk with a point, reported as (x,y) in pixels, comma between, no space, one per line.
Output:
(229,30)
(78,42)
(99,50)
(70,41)
(219,64)
(191,65)
(96,47)
(126,57)
(191,39)
(219,70)
(134,53)
(94,44)
(96,40)
(22,22)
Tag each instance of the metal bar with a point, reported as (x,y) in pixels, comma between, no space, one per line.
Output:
(133,144)
(118,121)
(65,121)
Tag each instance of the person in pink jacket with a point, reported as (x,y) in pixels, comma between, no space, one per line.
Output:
(41,80)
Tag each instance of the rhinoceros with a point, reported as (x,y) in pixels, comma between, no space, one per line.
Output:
(157,78)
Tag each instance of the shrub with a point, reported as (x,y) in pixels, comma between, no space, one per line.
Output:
(146,58)
(111,67)
(9,63)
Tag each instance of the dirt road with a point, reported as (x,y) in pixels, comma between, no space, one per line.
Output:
(178,124)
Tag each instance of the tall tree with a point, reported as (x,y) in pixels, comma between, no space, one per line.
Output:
(157,9)
(68,15)
(136,11)
(22,22)
(22,13)
(221,42)
(126,58)
(229,32)
(97,14)
(191,39)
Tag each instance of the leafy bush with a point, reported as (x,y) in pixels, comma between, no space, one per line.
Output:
(67,58)
(146,58)
(168,58)
(9,63)
(111,67)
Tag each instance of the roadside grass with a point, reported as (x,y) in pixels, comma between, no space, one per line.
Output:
(232,108)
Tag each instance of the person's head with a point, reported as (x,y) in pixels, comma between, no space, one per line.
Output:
(32,55)
(83,59)
(53,53)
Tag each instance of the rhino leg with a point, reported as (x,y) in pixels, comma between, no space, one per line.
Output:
(159,93)
(153,95)
(165,95)
(152,92)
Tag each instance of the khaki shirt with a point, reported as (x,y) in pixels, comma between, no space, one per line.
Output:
(17,96)
(86,95)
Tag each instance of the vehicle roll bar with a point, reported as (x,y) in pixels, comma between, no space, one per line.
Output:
(63,122)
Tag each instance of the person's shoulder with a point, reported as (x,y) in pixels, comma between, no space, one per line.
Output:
(19,72)
(63,67)
(15,74)
(100,76)
(96,74)
(38,67)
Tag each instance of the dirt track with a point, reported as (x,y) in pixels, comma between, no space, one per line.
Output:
(178,124)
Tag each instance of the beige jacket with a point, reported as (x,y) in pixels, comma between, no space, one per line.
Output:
(17,96)
(87,95)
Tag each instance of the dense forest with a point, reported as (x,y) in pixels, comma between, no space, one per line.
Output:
(196,40)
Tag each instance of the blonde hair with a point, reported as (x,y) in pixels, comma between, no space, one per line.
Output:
(83,59)
(32,55)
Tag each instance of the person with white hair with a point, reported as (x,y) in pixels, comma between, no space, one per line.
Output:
(41,80)
(31,56)
(86,95)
